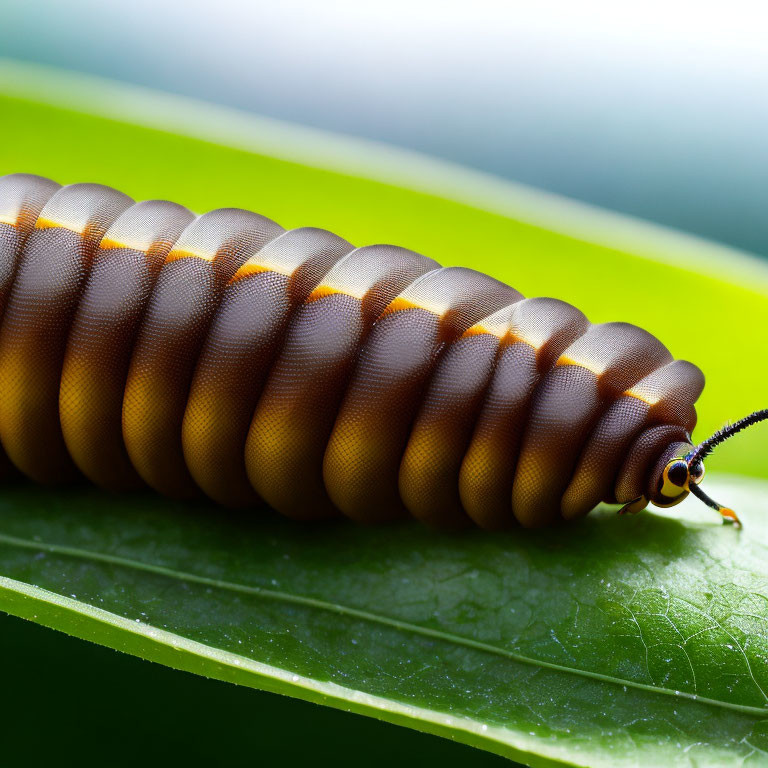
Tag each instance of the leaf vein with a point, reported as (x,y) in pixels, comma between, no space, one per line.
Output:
(343,610)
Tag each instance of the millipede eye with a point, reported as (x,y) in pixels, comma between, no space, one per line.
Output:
(697,472)
(678,474)
(675,479)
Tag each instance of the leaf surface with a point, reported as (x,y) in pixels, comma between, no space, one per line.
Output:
(629,640)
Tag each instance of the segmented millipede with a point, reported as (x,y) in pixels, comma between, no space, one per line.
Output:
(221,354)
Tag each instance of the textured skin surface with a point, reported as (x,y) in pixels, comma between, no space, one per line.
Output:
(222,354)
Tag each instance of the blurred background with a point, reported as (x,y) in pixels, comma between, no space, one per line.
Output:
(657,110)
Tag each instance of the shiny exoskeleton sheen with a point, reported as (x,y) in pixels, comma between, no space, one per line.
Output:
(141,344)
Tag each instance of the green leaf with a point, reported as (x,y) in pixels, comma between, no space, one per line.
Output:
(615,642)
(628,640)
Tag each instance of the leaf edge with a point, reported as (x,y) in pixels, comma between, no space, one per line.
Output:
(149,643)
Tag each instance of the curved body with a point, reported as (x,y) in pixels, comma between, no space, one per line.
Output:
(222,355)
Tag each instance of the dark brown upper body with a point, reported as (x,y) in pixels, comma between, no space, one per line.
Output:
(222,355)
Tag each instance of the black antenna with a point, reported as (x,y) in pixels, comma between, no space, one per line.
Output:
(702,450)
(728,514)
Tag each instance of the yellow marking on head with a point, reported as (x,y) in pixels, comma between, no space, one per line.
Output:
(44,223)
(671,491)
(11,221)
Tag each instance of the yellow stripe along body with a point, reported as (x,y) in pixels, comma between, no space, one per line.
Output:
(221,354)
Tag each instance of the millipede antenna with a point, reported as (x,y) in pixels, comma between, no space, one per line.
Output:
(703,449)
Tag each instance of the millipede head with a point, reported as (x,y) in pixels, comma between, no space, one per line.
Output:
(679,472)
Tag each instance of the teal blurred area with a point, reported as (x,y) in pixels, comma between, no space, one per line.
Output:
(655,109)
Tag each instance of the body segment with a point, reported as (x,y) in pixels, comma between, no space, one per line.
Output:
(225,356)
